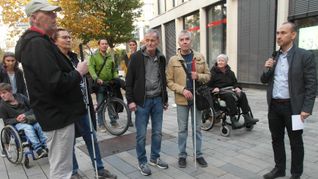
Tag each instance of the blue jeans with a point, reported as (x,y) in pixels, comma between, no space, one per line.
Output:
(100,95)
(183,116)
(83,128)
(34,133)
(153,108)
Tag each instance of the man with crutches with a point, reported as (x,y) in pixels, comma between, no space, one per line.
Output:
(181,80)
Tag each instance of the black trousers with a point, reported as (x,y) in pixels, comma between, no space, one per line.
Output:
(232,104)
(279,118)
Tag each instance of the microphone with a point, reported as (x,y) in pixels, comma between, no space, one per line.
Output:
(274,55)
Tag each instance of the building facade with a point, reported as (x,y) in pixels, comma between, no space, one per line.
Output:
(243,29)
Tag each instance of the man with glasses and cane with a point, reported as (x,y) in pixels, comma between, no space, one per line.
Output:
(183,71)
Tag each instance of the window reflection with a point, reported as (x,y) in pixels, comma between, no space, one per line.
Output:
(192,24)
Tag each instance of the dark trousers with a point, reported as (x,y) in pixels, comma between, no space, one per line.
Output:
(279,118)
(232,103)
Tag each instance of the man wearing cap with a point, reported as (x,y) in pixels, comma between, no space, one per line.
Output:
(53,85)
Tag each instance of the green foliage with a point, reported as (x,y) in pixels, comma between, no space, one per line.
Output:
(117,19)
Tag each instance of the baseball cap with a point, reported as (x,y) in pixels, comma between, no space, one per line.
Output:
(40,5)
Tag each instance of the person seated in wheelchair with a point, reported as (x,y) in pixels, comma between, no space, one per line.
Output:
(15,110)
(224,82)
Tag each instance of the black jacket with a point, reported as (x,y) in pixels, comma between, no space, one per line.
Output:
(220,80)
(74,59)
(135,79)
(4,78)
(10,112)
(53,84)
(302,80)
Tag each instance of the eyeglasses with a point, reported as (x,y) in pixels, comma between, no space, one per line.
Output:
(65,37)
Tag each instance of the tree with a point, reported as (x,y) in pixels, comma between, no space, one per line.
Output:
(114,19)
(86,19)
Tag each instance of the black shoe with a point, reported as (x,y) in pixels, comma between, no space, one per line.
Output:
(202,162)
(41,153)
(274,174)
(249,120)
(105,174)
(182,162)
(295,177)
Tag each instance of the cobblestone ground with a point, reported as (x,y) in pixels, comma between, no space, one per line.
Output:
(242,155)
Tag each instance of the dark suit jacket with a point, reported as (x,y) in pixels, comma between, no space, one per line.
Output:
(302,80)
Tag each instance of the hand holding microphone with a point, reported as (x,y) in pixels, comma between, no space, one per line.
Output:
(270,61)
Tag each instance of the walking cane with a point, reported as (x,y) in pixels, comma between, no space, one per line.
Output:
(194,127)
(86,93)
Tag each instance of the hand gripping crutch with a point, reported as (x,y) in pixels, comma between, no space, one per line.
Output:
(86,91)
(194,127)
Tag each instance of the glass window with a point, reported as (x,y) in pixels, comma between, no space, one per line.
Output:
(216,31)
(192,24)
(161,6)
(170,4)
(307,37)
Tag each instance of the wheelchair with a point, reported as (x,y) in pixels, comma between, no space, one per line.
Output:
(218,112)
(16,146)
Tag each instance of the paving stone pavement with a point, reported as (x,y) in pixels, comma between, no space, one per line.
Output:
(242,155)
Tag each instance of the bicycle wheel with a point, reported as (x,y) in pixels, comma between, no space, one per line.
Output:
(208,118)
(11,144)
(116,116)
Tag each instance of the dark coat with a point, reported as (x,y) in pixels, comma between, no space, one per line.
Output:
(4,78)
(220,80)
(75,61)
(53,84)
(135,79)
(10,112)
(302,80)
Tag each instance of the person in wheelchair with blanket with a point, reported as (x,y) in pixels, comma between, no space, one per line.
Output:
(224,83)
(15,110)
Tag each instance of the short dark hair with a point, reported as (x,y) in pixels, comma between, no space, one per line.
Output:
(133,41)
(5,87)
(98,42)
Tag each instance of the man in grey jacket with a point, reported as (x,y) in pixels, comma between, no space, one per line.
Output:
(292,85)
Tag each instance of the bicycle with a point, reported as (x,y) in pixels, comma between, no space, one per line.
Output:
(114,110)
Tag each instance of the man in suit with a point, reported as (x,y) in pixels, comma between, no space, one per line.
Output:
(292,86)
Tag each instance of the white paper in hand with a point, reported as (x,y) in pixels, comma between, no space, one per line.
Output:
(297,123)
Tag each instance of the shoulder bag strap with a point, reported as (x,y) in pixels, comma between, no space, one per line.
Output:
(100,70)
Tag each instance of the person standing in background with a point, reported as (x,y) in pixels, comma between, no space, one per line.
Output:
(10,73)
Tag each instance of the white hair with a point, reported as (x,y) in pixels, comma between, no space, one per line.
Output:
(223,56)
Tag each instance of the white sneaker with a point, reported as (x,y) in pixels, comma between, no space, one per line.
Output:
(102,129)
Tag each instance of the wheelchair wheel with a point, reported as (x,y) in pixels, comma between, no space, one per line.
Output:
(225,131)
(116,116)
(208,119)
(27,163)
(11,144)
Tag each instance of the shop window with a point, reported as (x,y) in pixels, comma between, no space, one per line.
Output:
(192,24)
(216,31)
